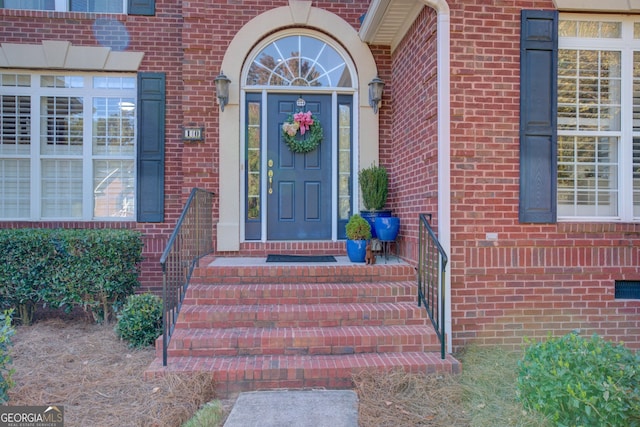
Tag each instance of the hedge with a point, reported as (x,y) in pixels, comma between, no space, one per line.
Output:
(95,269)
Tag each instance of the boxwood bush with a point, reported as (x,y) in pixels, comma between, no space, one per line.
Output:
(577,381)
(25,263)
(95,269)
(140,320)
(6,331)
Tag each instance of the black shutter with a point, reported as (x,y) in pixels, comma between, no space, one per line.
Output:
(151,111)
(142,7)
(538,116)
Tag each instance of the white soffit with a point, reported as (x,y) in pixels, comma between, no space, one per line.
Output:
(598,5)
(64,56)
(387,21)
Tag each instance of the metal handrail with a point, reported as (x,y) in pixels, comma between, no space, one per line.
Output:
(432,264)
(191,240)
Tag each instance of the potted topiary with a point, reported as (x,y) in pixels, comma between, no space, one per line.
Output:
(374,183)
(358,231)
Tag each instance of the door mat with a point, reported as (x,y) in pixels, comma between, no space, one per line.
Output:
(300,258)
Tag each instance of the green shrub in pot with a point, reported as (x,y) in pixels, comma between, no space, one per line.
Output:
(374,183)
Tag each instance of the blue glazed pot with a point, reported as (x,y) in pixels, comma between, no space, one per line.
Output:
(387,228)
(371,216)
(356,250)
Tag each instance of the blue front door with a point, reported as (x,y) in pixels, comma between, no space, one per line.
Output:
(299,185)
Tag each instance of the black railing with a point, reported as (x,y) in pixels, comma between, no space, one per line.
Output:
(191,240)
(432,264)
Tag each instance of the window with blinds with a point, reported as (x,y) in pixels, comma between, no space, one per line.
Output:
(67,147)
(98,6)
(599,118)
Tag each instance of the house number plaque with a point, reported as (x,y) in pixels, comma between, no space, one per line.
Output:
(193,134)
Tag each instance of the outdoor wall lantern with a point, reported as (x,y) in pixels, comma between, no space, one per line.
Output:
(375,93)
(222,89)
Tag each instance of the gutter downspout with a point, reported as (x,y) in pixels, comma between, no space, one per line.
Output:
(444,149)
(368,30)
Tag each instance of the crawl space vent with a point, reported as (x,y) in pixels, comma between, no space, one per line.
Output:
(627,289)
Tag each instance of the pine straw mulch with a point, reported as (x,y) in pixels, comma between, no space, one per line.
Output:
(99,381)
(399,399)
(97,378)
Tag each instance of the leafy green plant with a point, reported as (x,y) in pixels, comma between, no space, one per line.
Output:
(94,269)
(6,332)
(140,321)
(105,270)
(374,183)
(581,382)
(24,265)
(358,228)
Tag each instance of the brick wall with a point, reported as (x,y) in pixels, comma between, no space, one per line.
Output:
(187,41)
(160,39)
(532,279)
(410,148)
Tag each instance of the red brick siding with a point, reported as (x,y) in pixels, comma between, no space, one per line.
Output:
(160,38)
(410,150)
(534,279)
(187,41)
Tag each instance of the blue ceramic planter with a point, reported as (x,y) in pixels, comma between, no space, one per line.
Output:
(371,216)
(387,228)
(356,250)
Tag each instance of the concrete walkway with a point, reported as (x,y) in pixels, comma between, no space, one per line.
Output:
(299,408)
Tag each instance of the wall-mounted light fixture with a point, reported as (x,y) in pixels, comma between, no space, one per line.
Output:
(375,93)
(222,89)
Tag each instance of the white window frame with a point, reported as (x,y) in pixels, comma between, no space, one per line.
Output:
(626,45)
(64,6)
(88,93)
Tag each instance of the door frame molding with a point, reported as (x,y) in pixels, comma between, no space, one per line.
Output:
(297,13)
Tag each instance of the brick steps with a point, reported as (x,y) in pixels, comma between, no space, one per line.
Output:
(302,293)
(299,315)
(237,374)
(260,326)
(301,341)
(209,272)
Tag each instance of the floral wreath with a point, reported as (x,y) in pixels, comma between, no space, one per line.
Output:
(308,126)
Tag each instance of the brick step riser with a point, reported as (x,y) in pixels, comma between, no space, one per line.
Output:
(272,294)
(304,300)
(252,343)
(292,316)
(274,379)
(213,279)
(304,274)
(239,374)
(301,323)
(300,351)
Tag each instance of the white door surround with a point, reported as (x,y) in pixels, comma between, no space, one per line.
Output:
(301,14)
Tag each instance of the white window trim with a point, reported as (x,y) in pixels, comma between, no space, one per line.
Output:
(627,45)
(598,5)
(35,92)
(63,6)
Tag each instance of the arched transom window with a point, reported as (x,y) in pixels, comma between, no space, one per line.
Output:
(299,60)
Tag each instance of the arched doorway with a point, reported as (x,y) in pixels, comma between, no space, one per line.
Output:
(230,228)
(291,195)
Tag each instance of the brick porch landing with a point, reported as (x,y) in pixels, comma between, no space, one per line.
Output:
(258,325)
